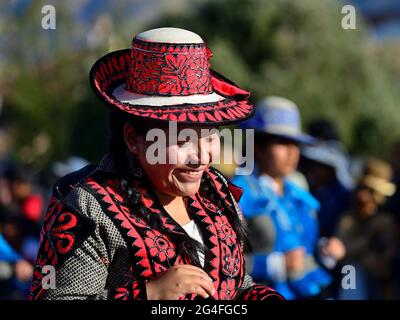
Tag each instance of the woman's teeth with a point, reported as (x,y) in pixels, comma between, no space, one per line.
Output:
(193,173)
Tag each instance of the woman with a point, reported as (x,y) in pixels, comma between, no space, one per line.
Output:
(282,215)
(370,235)
(134,228)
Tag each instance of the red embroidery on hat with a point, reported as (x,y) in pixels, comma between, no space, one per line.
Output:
(117,69)
(169,69)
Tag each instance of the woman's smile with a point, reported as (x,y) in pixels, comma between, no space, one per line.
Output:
(189,175)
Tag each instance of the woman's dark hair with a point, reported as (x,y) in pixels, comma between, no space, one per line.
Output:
(186,246)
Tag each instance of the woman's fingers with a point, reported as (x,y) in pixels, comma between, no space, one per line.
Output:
(179,281)
(194,269)
(190,278)
(200,281)
(182,279)
(199,291)
(204,276)
(190,267)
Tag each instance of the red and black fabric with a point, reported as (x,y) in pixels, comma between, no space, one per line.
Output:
(63,231)
(259,292)
(153,252)
(169,70)
(133,290)
(150,251)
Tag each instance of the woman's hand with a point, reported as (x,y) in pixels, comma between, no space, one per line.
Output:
(334,248)
(178,281)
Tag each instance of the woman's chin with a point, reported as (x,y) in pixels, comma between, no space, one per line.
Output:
(188,189)
(186,186)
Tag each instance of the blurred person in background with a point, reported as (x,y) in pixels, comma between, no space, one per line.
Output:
(6,141)
(327,169)
(21,209)
(15,273)
(370,235)
(323,129)
(282,216)
(393,204)
(21,206)
(73,163)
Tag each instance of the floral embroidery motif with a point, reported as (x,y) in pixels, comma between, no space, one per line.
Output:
(169,70)
(230,260)
(56,233)
(225,231)
(159,246)
(227,289)
(62,232)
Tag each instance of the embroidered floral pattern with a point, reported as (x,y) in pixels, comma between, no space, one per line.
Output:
(62,232)
(168,69)
(159,246)
(225,231)
(227,289)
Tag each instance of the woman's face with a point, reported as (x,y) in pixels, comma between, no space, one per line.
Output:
(182,161)
(365,202)
(278,157)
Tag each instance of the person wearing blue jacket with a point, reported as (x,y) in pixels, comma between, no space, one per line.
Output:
(15,273)
(281,215)
(7,254)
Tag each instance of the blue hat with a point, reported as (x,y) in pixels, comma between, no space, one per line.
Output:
(332,154)
(279,117)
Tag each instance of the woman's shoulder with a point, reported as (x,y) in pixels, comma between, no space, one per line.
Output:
(88,187)
(75,208)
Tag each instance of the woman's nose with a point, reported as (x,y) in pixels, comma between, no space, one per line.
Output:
(200,153)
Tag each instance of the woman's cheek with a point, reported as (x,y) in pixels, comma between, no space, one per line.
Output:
(183,155)
(174,155)
(160,175)
(215,150)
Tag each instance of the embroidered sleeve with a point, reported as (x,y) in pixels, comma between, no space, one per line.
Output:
(135,290)
(62,234)
(82,254)
(259,292)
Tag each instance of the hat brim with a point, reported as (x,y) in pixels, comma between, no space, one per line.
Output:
(301,138)
(228,104)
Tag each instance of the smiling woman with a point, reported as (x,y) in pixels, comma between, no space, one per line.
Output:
(128,228)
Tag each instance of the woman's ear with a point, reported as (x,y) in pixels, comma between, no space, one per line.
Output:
(131,139)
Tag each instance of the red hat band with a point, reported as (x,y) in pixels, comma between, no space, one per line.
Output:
(169,69)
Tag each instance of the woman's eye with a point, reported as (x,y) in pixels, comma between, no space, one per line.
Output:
(183,144)
(211,138)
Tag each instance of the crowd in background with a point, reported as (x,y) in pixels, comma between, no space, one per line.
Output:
(24,194)
(313,210)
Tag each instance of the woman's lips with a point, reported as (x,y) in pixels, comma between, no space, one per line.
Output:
(188,175)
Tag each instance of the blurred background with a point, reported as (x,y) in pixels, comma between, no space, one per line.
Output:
(345,82)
